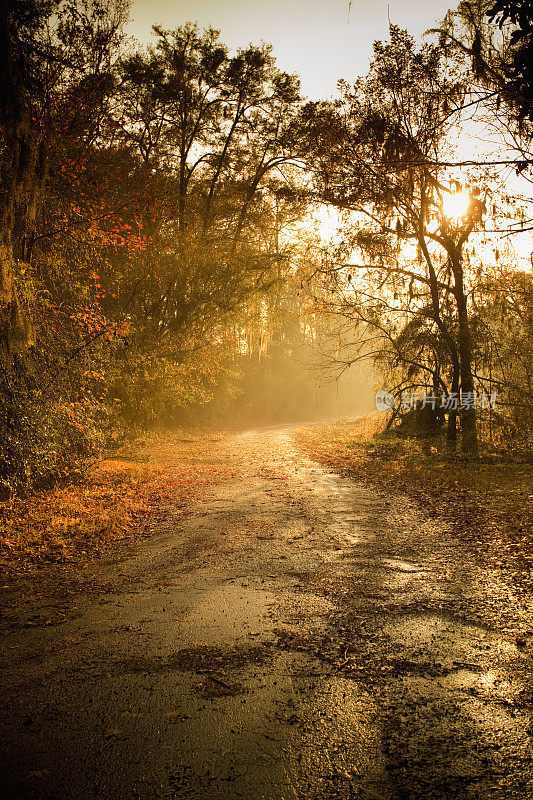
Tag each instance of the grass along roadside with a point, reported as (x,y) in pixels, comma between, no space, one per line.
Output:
(489,501)
(119,496)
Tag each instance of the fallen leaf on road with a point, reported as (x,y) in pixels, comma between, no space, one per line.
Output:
(111,732)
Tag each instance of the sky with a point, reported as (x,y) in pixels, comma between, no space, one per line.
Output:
(322,41)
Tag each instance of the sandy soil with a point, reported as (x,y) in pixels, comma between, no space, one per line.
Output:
(297,636)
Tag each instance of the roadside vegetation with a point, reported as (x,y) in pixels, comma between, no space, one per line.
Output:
(115,501)
(489,503)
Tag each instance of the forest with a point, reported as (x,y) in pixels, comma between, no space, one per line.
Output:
(266,411)
(160,262)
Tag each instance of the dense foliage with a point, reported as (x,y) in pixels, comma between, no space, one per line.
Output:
(156,260)
(424,270)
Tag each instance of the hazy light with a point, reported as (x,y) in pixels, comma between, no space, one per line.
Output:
(455,206)
(320,41)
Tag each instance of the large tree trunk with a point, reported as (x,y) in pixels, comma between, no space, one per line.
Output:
(469,440)
(21,164)
(14,329)
(451,431)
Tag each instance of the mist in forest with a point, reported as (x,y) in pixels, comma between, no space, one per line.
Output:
(266,399)
(165,254)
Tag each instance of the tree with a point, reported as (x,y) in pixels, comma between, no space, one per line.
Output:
(504,330)
(519,15)
(54,73)
(378,156)
(494,40)
(213,143)
(47,48)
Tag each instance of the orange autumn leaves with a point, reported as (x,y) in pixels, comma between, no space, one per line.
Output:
(120,499)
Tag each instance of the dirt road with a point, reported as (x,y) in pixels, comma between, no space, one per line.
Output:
(296,636)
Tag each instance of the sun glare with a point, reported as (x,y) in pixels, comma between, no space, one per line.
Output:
(455,205)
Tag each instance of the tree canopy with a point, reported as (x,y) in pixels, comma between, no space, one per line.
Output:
(157,250)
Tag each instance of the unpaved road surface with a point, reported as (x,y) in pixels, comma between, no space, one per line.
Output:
(298,635)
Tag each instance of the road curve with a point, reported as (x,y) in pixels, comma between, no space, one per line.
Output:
(296,636)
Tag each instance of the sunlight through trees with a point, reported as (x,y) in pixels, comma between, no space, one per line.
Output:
(160,259)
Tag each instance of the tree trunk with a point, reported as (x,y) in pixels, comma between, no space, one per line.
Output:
(23,169)
(469,440)
(14,333)
(451,432)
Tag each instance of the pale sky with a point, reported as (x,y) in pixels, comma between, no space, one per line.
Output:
(322,41)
